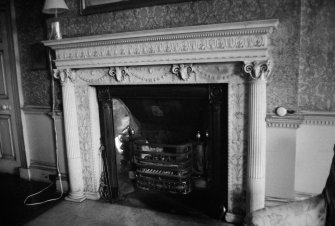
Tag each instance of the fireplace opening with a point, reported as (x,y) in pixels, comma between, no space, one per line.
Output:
(165,146)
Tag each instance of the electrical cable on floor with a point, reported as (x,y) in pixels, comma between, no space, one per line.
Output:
(56,146)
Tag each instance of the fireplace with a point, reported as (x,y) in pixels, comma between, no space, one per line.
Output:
(198,55)
(166,139)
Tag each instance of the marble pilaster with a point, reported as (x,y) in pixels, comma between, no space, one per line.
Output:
(76,189)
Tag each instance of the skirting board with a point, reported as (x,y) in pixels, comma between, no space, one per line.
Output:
(42,175)
(303,195)
(36,174)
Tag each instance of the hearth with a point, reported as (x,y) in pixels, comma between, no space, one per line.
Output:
(169,139)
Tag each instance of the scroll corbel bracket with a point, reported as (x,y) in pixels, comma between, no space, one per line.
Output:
(64,75)
(183,71)
(118,73)
(258,70)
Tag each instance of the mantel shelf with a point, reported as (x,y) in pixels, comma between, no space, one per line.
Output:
(226,42)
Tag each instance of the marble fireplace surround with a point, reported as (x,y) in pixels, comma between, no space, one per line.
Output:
(183,55)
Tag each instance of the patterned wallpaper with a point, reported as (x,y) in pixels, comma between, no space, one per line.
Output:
(31,29)
(30,24)
(317,56)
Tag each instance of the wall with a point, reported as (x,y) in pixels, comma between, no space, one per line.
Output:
(317,56)
(42,144)
(299,154)
(38,125)
(280,164)
(314,153)
(31,30)
(315,138)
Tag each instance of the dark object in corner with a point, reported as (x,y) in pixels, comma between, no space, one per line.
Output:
(329,194)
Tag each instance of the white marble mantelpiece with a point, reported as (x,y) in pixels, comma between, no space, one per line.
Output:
(185,55)
(230,42)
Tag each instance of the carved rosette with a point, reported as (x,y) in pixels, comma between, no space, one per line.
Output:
(258,70)
(64,75)
(183,71)
(119,73)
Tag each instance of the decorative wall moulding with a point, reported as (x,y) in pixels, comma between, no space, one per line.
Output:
(36,109)
(42,165)
(294,121)
(227,42)
(319,118)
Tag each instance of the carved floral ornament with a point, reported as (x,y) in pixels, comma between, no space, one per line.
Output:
(119,73)
(183,71)
(64,75)
(258,70)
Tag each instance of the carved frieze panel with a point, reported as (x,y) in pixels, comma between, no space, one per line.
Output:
(164,47)
(163,74)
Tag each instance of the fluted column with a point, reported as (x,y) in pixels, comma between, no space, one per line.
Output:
(258,73)
(76,189)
